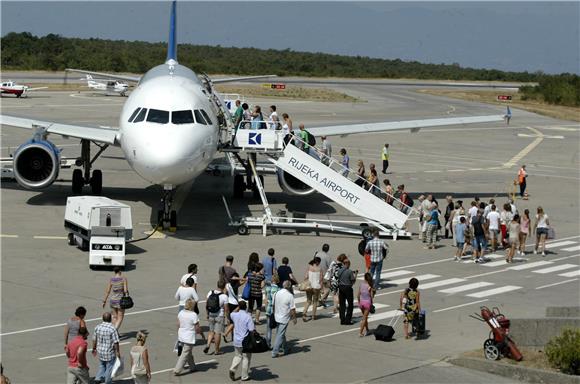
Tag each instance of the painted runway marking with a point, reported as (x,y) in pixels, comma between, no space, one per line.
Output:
(63,354)
(171,369)
(495,263)
(357,310)
(544,136)
(516,159)
(572,249)
(467,287)
(441,283)
(386,275)
(420,278)
(459,306)
(556,268)
(570,274)
(3,235)
(50,237)
(494,291)
(560,283)
(566,257)
(530,265)
(559,244)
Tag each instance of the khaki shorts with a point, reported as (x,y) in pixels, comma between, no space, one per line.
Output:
(494,234)
(216,324)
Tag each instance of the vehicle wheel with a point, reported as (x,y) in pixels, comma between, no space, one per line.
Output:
(97,182)
(173,219)
(239,186)
(77,182)
(71,239)
(243,230)
(367,233)
(491,352)
(487,342)
(85,245)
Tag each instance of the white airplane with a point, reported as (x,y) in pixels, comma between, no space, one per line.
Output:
(168,131)
(11,88)
(111,86)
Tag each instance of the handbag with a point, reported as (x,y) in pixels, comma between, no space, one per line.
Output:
(118,367)
(126,301)
(272,323)
(551,233)
(246,291)
(304,285)
(254,343)
(373,309)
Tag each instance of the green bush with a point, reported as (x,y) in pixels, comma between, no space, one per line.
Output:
(563,351)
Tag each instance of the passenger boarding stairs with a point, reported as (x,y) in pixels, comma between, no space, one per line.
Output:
(324,174)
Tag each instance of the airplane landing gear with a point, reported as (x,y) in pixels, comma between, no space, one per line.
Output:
(166,217)
(83,177)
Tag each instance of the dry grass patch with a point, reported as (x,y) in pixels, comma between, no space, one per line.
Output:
(291,92)
(533,358)
(490,97)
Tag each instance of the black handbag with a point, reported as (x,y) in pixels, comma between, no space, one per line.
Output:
(254,343)
(126,301)
(373,309)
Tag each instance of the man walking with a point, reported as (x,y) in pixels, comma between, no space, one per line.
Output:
(284,311)
(106,347)
(385,157)
(346,279)
(344,162)
(378,250)
(226,271)
(78,370)
(324,265)
(303,134)
(270,266)
(326,150)
(243,324)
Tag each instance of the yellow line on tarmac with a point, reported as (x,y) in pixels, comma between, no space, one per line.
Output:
(514,160)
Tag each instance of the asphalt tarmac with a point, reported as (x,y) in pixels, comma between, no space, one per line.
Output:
(44,280)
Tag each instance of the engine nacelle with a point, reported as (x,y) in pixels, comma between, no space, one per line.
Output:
(36,164)
(292,185)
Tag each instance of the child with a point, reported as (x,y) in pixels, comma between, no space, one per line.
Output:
(410,304)
(459,232)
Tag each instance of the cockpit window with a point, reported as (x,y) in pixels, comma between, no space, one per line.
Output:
(199,117)
(206,117)
(158,116)
(141,115)
(134,114)
(182,117)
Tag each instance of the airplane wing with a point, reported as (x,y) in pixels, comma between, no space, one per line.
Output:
(99,134)
(233,79)
(107,75)
(413,125)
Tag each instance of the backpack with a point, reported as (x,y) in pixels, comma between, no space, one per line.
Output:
(213,303)
(311,139)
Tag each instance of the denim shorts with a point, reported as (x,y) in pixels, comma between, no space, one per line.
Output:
(460,245)
(542,231)
(479,243)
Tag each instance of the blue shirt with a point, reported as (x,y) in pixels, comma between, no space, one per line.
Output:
(270,266)
(460,233)
(434,216)
(243,324)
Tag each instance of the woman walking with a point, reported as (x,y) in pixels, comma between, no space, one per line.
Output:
(360,172)
(524,231)
(256,280)
(232,291)
(389,191)
(514,237)
(140,368)
(542,225)
(117,288)
(188,327)
(332,273)
(314,276)
(410,303)
(72,326)
(365,296)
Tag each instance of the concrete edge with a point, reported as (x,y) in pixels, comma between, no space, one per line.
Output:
(530,375)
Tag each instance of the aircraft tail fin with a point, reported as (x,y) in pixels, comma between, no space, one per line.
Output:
(172,42)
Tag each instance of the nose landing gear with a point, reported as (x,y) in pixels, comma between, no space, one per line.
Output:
(167,217)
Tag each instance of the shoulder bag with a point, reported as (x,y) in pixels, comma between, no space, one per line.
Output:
(126,301)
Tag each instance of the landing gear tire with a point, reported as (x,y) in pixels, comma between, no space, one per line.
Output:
(239,186)
(243,230)
(173,221)
(77,182)
(70,239)
(97,182)
(367,233)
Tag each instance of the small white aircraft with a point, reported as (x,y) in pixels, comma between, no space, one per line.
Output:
(11,88)
(110,86)
(169,132)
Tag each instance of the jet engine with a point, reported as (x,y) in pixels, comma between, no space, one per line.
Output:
(292,185)
(36,164)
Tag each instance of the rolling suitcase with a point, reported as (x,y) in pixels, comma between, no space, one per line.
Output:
(386,332)
(419,324)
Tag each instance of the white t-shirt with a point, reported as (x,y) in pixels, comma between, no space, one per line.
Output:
(493,219)
(283,305)
(542,221)
(187,276)
(187,321)
(232,297)
(223,300)
(473,212)
(184,293)
(274,120)
(506,217)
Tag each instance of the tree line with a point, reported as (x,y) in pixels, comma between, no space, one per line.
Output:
(25,51)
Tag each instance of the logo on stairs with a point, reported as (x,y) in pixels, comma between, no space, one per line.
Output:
(255,138)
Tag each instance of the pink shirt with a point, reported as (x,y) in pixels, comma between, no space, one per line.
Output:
(525,225)
(73,347)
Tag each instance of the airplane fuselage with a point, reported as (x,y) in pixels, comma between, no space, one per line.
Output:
(168,127)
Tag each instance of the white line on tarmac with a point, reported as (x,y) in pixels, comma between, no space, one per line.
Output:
(514,160)
(8,236)
(64,354)
(459,306)
(560,283)
(565,257)
(171,369)
(50,237)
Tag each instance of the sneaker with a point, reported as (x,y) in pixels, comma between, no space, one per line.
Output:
(206,350)
(232,376)
(456,258)
(543,253)
(535,251)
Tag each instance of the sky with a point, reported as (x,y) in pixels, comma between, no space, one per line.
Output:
(513,36)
